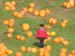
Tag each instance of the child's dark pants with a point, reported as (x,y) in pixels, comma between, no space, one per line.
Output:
(41,44)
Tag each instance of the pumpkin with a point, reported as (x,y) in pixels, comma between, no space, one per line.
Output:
(4,55)
(62,54)
(48,48)
(47,27)
(63,50)
(9,35)
(65,3)
(25,27)
(11,22)
(29,49)
(65,21)
(18,37)
(1,45)
(73,52)
(34,50)
(52,33)
(31,5)
(10,30)
(7,4)
(30,10)
(23,49)
(22,38)
(41,52)
(46,54)
(13,8)
(18,54)
(15,13)
(5,22)
(65,43)
(13,3)
(57,40)
(9,51)
(29,34)
(70,55)
(61,39)
(63,25)
(72,2)
(7,8)
(36,12)
(48,11)
(42,13)
(69,5)
(25,10)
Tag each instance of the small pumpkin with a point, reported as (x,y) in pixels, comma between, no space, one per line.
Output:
(30,10)
(23,49)
(7,4)
(42,13)
(36,12)
(13,3)
(9,35)
(47,27)
(10,30)
(48,48)
(29,49)
(5,22)
(32,5)
(65,43)
(48,11)
(18,37)
(52,33)
(25,27)
(69,5)
(63,25)
(22,38)
(9,51)
(73,52)
(34,50)
(7,8)
(57,40)
(18,54)
(25,10)
(29,33)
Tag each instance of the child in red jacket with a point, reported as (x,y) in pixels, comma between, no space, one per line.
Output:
(41,35)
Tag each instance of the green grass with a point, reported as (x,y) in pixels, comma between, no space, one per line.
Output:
(58,12)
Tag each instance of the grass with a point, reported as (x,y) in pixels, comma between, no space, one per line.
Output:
(58,12)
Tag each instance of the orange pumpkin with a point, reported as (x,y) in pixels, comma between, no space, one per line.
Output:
(30,10)
(9,51)
(22,38)
(57,40)
(5,22)
(47,27)
(18,37)
(13,8)
(32,5)
(63,50)
(42,13)
(9,35)
(48,48)
(11,22)
(36,12)
(18,54)
(69,5)
(25,10)
(29,49)
(73,52)
(52,33)
(65,3)
(25,27)
(23,49)
(65,21)
(72,2)
(29,33)
(48,11)
(46,54)
(7,4)
(63,25)
(65,43)
(13,3)
(41,52)
(70,55)
(34,50)
(7,8)
(15,13)
(10,30)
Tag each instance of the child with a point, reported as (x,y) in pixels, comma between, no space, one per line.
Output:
(41,35)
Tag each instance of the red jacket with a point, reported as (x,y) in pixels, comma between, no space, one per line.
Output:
(41,33)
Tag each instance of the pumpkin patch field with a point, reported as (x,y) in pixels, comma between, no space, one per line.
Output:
(20,19)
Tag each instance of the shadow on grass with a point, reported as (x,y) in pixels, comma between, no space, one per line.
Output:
(36,44)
